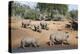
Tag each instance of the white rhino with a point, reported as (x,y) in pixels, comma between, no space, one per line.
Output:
(29,42)
(37,27)
(26,23)
(59,37)
(44,25)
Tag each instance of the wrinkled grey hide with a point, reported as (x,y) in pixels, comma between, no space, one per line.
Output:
(26,24)
(59,37)
(29,42)
(37,27)
(44,25)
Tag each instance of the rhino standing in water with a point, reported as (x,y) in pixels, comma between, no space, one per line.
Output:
(59,37)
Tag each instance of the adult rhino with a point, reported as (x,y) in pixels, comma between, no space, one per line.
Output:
(26,23)
(59,37)
(36,27)
(44,25)
(29,42)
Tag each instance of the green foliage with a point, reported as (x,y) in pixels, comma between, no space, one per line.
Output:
(57,17)
(30,14)
(52,11)
(17,9)
(62,8)
(24,11)
(74,14)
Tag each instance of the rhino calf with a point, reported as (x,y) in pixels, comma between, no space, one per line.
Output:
(29,42)
(59,37)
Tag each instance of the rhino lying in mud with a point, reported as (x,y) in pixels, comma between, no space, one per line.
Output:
(29,42)
(44,25)
(59,37)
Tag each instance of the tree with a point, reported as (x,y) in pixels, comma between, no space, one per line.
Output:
(74,14)
(18,9)
(23,10)
(50,8)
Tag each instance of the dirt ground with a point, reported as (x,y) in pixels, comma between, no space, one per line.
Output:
(18,33)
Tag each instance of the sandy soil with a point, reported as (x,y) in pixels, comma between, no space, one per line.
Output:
(17,33)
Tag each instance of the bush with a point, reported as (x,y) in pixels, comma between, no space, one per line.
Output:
(57,18)
(74,14)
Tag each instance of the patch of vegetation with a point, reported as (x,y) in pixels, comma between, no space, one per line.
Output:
(49,11)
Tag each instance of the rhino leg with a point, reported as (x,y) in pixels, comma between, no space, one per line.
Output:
(51,43)
(47,28)
(39,30)
(35,28)
(24,25)
(65,43)
(22,44)
(35,44)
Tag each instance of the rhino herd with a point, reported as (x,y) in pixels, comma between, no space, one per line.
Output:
(36,27)
(54,38)
(57,37)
